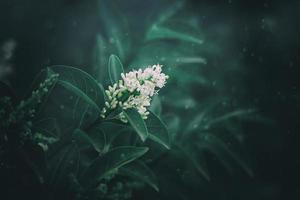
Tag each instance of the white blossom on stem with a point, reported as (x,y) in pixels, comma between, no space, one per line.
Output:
(135,90)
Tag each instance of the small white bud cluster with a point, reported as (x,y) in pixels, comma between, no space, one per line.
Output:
(134,91)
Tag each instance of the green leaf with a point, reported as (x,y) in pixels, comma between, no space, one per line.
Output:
(172,54)
(115,68)
(173,124)
(137,123)
(95,140)
(223,152)
(98,137)
(48,126)
(138,170)
(68,109)
(197,159)
(34,157)
(76,99)
(189,77)
(111,161)
(111,131)
(156,106)
(115,29)
(113,114)
(79,93)
(170,11)
(158,131)
(100,57)
(63,164)
(81,81)
(227,116)
(159,32)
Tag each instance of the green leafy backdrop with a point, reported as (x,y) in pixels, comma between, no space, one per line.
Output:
(206,130)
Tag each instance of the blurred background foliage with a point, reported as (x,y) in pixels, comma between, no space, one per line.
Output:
(231,100)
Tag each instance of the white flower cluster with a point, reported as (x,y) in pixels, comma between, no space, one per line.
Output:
(135,91)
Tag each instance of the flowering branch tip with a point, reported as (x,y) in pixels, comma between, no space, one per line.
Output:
(135,90)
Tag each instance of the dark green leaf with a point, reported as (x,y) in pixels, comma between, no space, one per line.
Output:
(100,57)
(99,139)
(111,131)
(227,116)
(170,11)
(75,101)
(137,123)
(115,68)
(156,106)
(115,28)
(140,171)
(79,93)
(160,32)
(48,126)
(68,110)
(197,159)
(223,152)
(111,161)
(158,132)
(91,139)
(63,164)
(113,114)
(35,158)
(81,81)
(173,123)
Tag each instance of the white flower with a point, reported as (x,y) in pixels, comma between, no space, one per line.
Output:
(147,89)
(135,91)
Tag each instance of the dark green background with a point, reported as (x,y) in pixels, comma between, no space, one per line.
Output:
(261,37)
